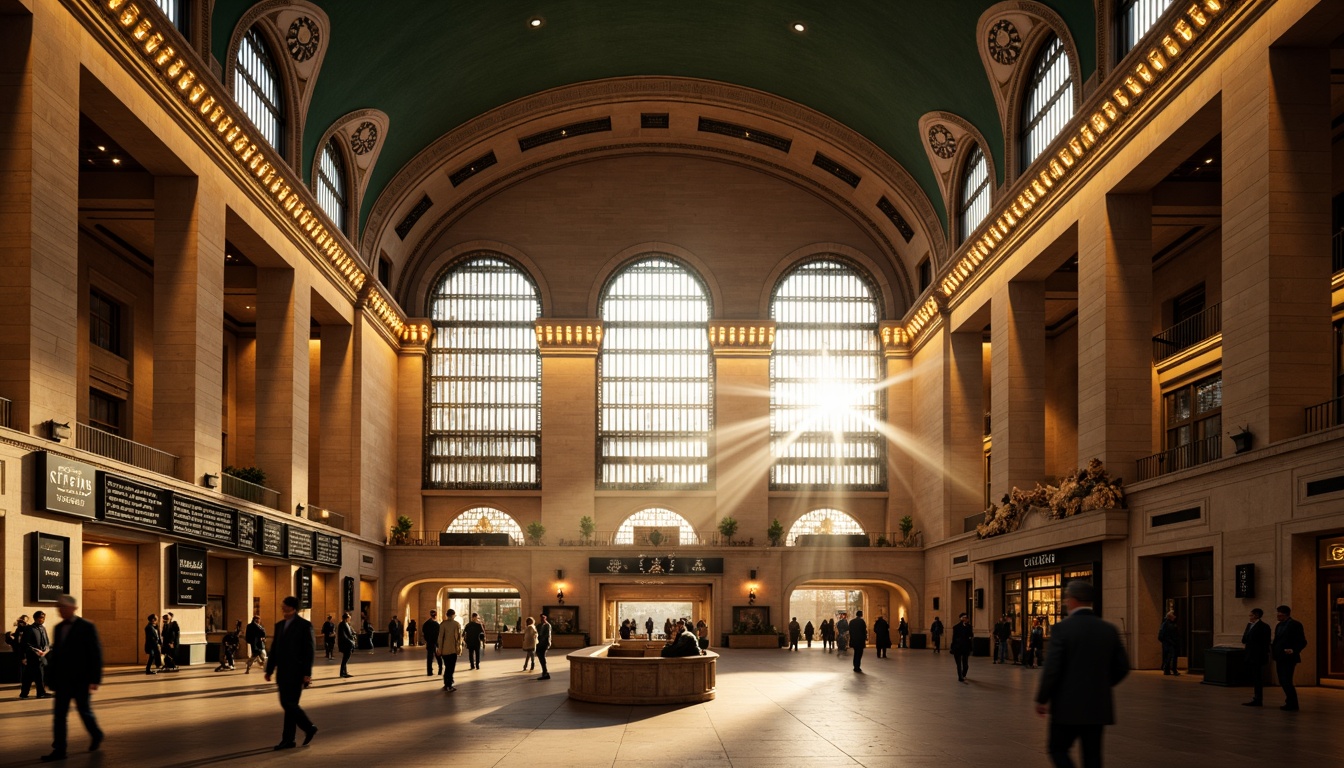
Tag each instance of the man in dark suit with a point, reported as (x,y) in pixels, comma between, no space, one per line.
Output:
(430,633)
(1289,640)
(153,641)
(1256,640)
(1084,661)
(346,641)
(74,672)
(292,651)
(171,635)
(33,644)
(858,639)
(963,640)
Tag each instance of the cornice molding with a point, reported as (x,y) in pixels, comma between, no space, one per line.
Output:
(730,338)
(574,337)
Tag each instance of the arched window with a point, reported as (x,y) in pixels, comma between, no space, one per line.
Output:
(483,382)
(178,12)
(825,381)
(1133,20)
(823,521)
(656,527)
(256,88)
(1049,100)
(487,520)
(655,402)
(973,198)
(331,184)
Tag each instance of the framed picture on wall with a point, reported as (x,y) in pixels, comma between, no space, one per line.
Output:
(751,619)
(564,618)
(215,621)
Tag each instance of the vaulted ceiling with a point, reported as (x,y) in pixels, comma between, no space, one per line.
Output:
(875,66)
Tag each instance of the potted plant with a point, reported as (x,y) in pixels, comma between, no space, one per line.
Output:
(402,530)
(907,525)
(586,528)
(775,533)
(253,475)
(728,527)
(535,531)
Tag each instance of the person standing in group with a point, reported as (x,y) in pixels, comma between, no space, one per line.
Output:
(544,643)
(962,642)
(329,636)
(410,632)
(1289,641)
(15,638)
(858,639)
(228,647)
(429,633)
(473,635)
(366,634)
(292,652)
(702,634)
(795,631)
(625,631)
(34,645)
(530,644)
(1003,638)
(1035,644)
(808,632)
(936,632)
(842,635)
(1168,637)
(256,644)
(827,635)
(882,636)
(1084,662)
(172,636)
(648,628)
(1256,638)
(345,642)
(152,643)
(450,647)
(74,672)
(903,629)
(394,635)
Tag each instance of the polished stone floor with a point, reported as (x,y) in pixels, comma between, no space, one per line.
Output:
(774,710)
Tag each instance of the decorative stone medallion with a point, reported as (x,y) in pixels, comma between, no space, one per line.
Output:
(364,138)
(303,38)
(1005,44)
(941,141)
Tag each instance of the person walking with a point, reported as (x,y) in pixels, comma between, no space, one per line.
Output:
(858,639)
(228,647)
(795,631)
(1289,641)
(410,632)
(1035,644)
(808,632)
(256,644)
(292,653)
(152,644)
(936,632)
(395,633)
(34,645)
(172,636)
(530,645)
(366,634)
(841,634)
(74,672)
(648,628)
(15,638)
(1256,638)
(1167,636)
(345,642)
(544,643)
(450,647)
(1084,662)
(473,635)
(882,636)
(962,641)
(429,634)
(1003,634)
(903,629)
(329,636)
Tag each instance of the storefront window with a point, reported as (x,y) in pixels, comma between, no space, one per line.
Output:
(499,609)
(1043,598)
(1012,601)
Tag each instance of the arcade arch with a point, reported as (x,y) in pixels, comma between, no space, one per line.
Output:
(645,525)
(487,520)
(823,521)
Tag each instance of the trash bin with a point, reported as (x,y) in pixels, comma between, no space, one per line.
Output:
(1225,665)
(918,640)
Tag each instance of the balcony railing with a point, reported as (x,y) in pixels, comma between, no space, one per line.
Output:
(1187,333)
(242,489)
(326,517)
(1337,252)
(110,446)
(1184,457)
(1325,415)
(4,412)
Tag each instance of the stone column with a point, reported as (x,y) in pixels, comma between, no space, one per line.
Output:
(568,423)
(39,254)
(1017,373)
(964,429)
(188,325)
(283,302)
(742,455)
(334,455)
(901,451)
(1115,322)
(411,419)
(1276,240)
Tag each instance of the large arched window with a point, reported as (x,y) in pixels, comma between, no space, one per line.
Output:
(1048,102)
(973,195)
(487,520)
(656,527)
(331,184)
(483,383)
(1133,20)
(823,521)
(655,402)
(825,381)
(256,88)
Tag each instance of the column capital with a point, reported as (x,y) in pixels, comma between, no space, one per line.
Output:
(730,338)
(569,337)
(416,334)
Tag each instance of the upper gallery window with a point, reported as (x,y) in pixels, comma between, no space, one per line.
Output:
(331,184)
(104,322)
(1133,20)
(825,522)
(487,520)
(973,200)
(656,527)
(826,398)
(484,379)
(1049,100)
(256,88)
(655,399)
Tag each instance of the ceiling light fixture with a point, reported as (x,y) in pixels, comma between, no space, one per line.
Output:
(116,161)
(535,22)
(799,26)
(102,148)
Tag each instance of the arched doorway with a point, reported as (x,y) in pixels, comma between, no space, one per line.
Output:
(816,599)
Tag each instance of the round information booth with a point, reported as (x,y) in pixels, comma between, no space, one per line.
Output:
(637,674)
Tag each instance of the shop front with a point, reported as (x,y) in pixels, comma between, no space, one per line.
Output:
(1032,586)
(1330,619)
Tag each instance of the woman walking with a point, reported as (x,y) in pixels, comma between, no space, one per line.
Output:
(529,645)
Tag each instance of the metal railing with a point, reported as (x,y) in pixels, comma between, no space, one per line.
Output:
(1184,457)
(4,412)
(110,446)
(1325,415)
(239,488)
(325,516)
(1187,333)
(1337,252)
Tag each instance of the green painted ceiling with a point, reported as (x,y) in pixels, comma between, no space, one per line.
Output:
(873,65)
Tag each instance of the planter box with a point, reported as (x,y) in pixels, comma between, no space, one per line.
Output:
(569,641)
(753,641)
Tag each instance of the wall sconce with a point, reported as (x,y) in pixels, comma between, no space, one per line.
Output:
(751,594)
(298,509)
(560,595)
(1243,440)
(57,430)
(211,481)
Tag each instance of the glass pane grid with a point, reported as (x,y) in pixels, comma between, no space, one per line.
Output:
(256,88)
(973,205)
(654,517)
(1049,102)
(487,520)
(331,185)
(483,381)
(823,521)
(1136,17)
